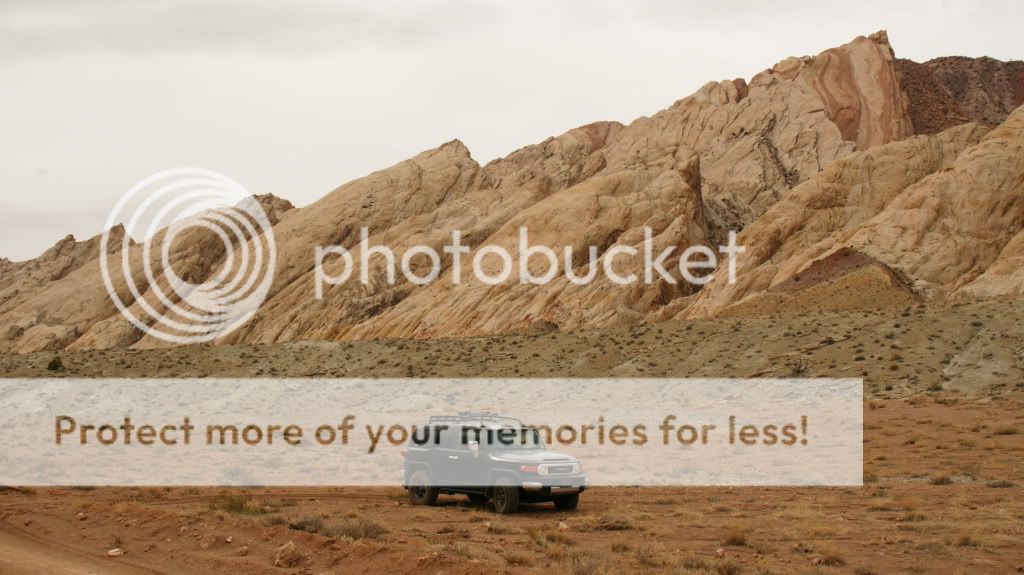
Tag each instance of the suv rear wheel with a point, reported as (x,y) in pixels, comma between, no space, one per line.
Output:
(421,492)
(506,496)
(567,502)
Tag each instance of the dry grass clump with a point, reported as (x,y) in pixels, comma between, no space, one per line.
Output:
(309,524)
(356,528)
(736,538)
(554,544)
(351,528)
(967,540)
(462,550)
(540,537)
(620,547)
(830,557)
(499,528)
(651,555)
(519,558)
(624,520)
(697,566)
(589,562)
(238,504)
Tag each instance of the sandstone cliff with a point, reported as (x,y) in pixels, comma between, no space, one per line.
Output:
(943,213)
(812,159)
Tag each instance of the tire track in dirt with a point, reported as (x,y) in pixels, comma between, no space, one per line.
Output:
(23,553)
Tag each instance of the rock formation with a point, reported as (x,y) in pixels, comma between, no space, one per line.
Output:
(949,91)
(812,159)
(814,217)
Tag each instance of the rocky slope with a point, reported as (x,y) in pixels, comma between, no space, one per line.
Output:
(949,91)
(713,161)
(812,220)
(812,159)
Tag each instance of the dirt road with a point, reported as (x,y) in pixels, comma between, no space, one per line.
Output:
(23,553)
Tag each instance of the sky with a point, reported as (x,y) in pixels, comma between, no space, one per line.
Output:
(296,98)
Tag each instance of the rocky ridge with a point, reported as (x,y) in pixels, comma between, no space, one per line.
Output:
(812,159)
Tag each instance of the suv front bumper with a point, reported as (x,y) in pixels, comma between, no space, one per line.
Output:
(559,486)
(534,486)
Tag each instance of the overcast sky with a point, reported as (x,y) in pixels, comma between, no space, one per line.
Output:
(296,98)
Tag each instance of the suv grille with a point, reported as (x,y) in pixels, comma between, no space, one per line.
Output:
(559,469)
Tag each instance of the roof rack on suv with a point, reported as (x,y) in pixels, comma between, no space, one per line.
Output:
(481,416)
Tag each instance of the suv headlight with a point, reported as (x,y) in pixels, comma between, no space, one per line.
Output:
(577,468)
(542,469)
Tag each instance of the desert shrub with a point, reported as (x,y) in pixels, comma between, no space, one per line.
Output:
(588,564)
(357,528)
(621,547)
(966,540)
(727,568)
(460,549)
(55,364)
(513,557)
(238,504)
(737,538)
(310,524)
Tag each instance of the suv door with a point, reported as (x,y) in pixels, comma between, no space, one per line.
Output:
(454,460)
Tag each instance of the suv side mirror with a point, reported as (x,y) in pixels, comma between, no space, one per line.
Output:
(474,446)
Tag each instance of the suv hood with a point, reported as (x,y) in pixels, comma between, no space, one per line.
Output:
(532,456)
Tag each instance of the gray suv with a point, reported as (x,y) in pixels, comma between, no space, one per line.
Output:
(488,457)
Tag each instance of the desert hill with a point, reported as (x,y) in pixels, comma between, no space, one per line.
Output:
(856,180)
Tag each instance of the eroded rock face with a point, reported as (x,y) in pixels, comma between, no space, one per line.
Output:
(713,161)
(75,310)
(811,159)
(948,229)
(943,212)
(858,84)
(813,219)
(949,91)
(618,206)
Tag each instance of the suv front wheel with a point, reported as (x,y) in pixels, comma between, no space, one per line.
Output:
(421,492)
(506,496)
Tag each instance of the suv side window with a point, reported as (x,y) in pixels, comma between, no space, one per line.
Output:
(451,438)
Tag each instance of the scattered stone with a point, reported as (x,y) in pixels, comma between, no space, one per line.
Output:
(81,516)
(563,526)
(243,550)
(115,552)
(288,555)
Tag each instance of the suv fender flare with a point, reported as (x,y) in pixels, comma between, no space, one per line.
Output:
(413,467)
(493,479)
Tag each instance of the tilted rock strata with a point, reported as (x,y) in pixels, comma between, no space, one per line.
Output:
(814,217)
(811,159)
(858,84)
